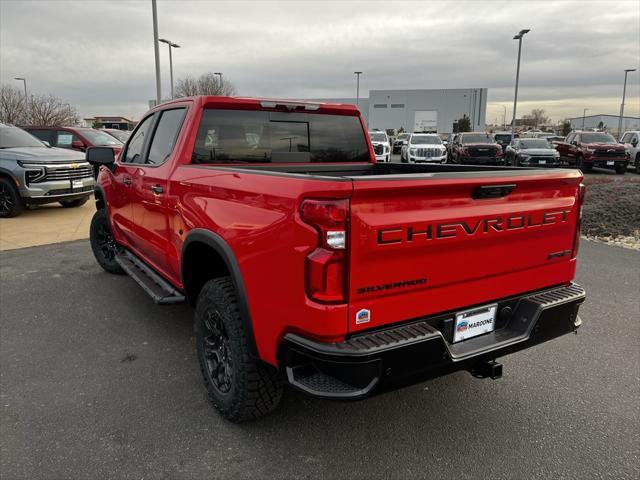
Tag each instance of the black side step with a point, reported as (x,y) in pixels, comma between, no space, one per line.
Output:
(157,287)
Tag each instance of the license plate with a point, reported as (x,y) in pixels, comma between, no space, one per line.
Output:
(610,162)
(474,322)
(542,162)
(76,183)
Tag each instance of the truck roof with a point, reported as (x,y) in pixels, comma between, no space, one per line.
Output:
(253,103)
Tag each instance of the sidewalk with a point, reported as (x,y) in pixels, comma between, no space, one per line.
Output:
(46,224)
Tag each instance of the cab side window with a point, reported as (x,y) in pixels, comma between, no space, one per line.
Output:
(138,139)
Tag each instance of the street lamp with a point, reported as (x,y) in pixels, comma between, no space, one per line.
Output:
(219,75)
(24,81)
(504,118)
(624,91)
(518,37)
(584,113)
(358,88)
(156,51)
(171,45)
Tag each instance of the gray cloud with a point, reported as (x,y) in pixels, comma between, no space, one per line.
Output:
(99,54)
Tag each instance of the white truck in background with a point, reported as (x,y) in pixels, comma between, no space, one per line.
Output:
(381,145)
(631,141)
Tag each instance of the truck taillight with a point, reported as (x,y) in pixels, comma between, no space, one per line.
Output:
(576,238)
(326,265)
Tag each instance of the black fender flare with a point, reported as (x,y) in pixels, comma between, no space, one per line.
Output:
(226,253)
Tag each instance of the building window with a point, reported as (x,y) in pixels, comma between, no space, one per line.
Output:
(397,105)
(379,105)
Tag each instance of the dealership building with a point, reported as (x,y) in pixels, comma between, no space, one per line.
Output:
(421,110)
(608,123)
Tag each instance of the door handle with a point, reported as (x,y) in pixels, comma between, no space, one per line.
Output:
(157,189)
(126,181)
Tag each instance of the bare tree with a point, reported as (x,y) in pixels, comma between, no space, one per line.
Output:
(12,105)
(205,84)
(48,110)
(538,116)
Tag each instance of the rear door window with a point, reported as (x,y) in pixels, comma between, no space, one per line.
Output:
(239,136)
(165,136)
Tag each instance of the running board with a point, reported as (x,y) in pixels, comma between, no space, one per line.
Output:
(161,291)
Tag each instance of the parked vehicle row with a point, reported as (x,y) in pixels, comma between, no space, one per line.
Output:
(32,173)
(583,150)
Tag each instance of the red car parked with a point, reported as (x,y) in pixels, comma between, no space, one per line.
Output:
(310,264)
(76,138)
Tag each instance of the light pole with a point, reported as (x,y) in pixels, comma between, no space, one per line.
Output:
(26,98)
(504,118)
(156,49)
(624,91)
(584,114)
(219,75)
(515,98)
(171,45)
(358,88)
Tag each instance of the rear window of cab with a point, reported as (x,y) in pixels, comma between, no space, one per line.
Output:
(246,136)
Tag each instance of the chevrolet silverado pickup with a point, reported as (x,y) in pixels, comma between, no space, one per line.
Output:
(476,148)
(310,264)
(585,150)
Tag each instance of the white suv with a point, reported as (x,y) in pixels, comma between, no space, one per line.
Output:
(381,146)
(423,148)
(631,142)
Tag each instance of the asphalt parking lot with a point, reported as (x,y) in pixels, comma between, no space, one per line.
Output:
(98,382)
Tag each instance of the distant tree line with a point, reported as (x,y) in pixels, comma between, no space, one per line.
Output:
(45,110)
(205,84)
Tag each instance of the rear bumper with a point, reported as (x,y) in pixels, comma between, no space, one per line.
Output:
(409,353)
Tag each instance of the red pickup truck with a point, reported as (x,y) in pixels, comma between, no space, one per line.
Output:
(586,150)
(310,264)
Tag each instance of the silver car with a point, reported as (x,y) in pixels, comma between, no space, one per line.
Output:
(32,173)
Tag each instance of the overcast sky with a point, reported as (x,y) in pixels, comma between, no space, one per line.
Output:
(98,55)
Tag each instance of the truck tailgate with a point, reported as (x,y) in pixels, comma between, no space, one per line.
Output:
(421,246)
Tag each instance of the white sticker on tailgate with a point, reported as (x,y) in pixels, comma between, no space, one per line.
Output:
(472,323)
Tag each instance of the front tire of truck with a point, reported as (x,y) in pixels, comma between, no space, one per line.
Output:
(239,387)
(103,244)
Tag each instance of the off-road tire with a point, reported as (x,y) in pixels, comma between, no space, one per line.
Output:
(103,244)
(74,203)
(10,202)
(637,162)
(250,389)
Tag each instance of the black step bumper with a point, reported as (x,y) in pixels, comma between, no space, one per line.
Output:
(412,352)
